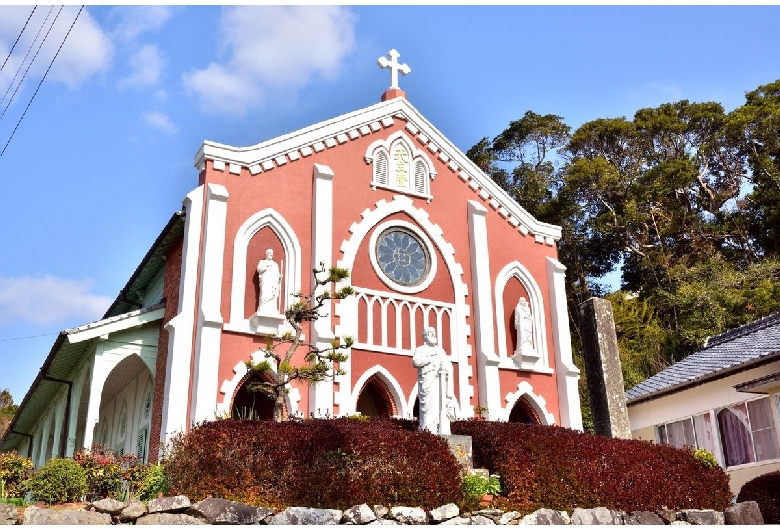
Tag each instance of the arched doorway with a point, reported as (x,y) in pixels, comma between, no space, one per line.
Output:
(248,405)
(375,399)
(522,412)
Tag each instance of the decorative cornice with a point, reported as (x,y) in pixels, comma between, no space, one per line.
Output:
(289,148)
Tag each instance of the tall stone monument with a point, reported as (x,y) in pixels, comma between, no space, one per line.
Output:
(602,369)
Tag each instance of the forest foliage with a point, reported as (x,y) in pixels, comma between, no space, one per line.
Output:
(683,200)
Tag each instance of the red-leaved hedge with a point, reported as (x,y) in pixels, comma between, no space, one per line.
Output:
(765,490)
(562,469)
(335,463)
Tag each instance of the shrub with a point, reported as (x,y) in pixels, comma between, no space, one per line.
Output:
(705,458)
(110,474)
(14,469)
(558,468)
(59,480)
(334,463)
(765,490)
(153,481)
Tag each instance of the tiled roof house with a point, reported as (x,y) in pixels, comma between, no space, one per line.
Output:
(724,398)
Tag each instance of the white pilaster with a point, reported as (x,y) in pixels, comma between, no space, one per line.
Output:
(567,373)
(59,419)
(180,328)
(487,360)
(209,330)
(321,394)
(45,439)
(75,402)
(100,370)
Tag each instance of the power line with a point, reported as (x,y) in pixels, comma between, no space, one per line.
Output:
(18,37)
(32,61)
(28,337)
(42,79)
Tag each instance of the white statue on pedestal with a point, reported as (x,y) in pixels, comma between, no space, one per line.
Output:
(270,280)
(524,324)
(434,382)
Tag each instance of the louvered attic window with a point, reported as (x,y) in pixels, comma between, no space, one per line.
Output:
(397,167)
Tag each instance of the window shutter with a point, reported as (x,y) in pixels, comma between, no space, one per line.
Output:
(381,176)
(420,177)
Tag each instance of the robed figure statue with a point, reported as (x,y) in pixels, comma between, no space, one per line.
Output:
(434,372)
(270,280)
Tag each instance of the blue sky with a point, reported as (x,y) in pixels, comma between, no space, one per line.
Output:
(104,154)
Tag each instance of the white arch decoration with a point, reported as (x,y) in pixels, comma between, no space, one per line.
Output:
(347,309)
(538,403)
(517,270)
(292,266)
(392,385)
(229,386)
(416,155)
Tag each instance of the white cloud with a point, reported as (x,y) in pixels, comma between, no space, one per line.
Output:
(147,64)
(160,121)
(270,47)
(134,20)
(47,300)
(88,49)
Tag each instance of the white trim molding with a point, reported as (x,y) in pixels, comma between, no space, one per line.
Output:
(392,386)
(181,327)
(229,386)
(567,374)
(539,362)
(292,266)
(538,403)
(428,248)
(487,360)
(208,337)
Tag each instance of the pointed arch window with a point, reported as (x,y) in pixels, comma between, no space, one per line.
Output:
(399,167)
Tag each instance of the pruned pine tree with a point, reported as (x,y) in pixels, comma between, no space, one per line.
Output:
(318,363)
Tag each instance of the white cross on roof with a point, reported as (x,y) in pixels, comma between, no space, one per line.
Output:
(394,67)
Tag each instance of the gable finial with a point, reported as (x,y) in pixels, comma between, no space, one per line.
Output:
(394,67)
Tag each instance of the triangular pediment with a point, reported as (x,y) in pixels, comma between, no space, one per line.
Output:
(298,145)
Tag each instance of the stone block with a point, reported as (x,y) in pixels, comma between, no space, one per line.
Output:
(602,366)
(460,446)
(299,515)
(442,513)
(643,517)
(481,519)
(457,520)
(591,516)
(132,511)
(109,506)
(179,503)
(8,514)
(221,511)
(701,517)
(157,519)
(743,513)
(408,515)
(544,516)
(361,514)
(44,516)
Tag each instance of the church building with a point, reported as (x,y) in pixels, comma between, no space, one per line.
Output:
(428,238)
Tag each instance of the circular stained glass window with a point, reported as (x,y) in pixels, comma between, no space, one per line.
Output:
(402,257)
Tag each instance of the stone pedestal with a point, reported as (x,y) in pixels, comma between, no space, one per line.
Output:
(602,368)
(460,445)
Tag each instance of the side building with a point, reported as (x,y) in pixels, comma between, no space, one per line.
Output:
(724,398)
(429,239)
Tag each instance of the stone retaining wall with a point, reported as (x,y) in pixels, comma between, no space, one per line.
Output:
(180,510)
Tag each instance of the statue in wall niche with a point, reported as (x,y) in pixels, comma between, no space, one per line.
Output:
(524,324)
(434,382)
(270,281)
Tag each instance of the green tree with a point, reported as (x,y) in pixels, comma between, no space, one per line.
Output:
(7,410)
(314,364)
(755,127)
